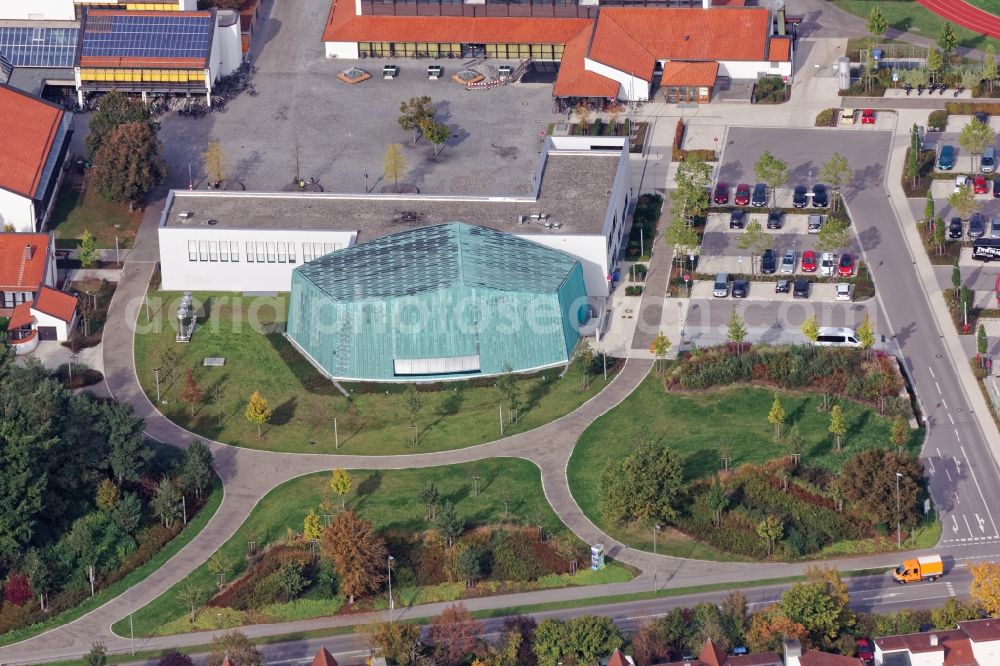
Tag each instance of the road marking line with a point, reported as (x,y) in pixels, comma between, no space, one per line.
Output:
(985,503)
(931,370)
(931,463)
(952,419)
(938,387)
(944,402)
(954,521)
(947,473)
(967,524)
(951,589)
(956,435)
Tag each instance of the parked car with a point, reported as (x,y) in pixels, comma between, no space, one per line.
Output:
(788,262)
(815,224)
(721,196)
(768,262)
(820,197)
(995,227)
(781,287)
(960,182)
(742,194)
(759,197)
(988,162)
(868,117)
(801,289)
(737,219)
(844,292)
(955,228)
(809,261)
(774,219)
(996,187)
(848,116)
(827,264)
(980,185)
(721,287)
(846,266)
(946,158)
(740,288)
(977,225)
(865,651)
(799,196)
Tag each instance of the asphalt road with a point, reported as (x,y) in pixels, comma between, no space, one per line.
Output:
(868,593)
(963,477)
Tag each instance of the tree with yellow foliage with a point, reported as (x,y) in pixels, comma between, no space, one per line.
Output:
(340,482)
(985,586)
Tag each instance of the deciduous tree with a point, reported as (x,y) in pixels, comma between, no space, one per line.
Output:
(866,335)
(86,253)
(469,565)
(428,496)
(175,658)
(736,330)
(938,235)
(340,483)
(776,417)
(989,66)
(770,529)
(876,23)
(660,348)
(192,596)
(770,627)
(900,433)
(98,655)
(833,235)
(947,40)
(869,478)
(214,162)
(437,133)
(358,554)
(934,63)
(414,114)
(810,328)
(258,412)
(975,137)
(509,390)
(984,589)
(114,110)
(963,201)
(312,527)
(690,198)
(455,635)
(235,646)
(754,239)
(819,605)
(393,163)
(397,641)
(583,640)
(191,392)
(128,164)
(838,428)
(166,504)
(837,172)
(644,486)
(982,342)
(771,171)
(717,500)
(196,469)
(953,611)
(413,404)
(220,565)
(449,523)
(108,495)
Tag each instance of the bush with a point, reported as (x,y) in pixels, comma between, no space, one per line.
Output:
(925,172)
(17,590)
(770,90)
(679,135)
(633,290)
(968,108)
(938,119)
(513,557)
(827,118)
(82,375)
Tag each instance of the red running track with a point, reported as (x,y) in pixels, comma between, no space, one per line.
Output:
(965,15)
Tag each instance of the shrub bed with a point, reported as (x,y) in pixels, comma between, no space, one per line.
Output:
(937,120)
(770,90)
(677,153)
(827,118)
(925,173)
(968,108)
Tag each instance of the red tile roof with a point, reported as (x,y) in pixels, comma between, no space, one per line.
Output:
(757,659)
(816,658)
(56,304)
(712,654)
(324,658)
(632,39)
(21,317)
(26,135)
(22,260)
(981,631)
(677,73)
(618,659)
(953,644)
(780,49)
(343,25)
(575,81)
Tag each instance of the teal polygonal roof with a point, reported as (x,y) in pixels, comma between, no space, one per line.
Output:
(438,257)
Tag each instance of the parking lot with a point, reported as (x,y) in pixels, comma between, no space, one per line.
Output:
(338,132)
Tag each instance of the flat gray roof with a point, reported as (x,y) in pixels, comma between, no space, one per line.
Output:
(575,193)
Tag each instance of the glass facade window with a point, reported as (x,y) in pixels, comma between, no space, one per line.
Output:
(260,252)
(203,250)
(291,253)
(234,250)
(250,251)
(307,252)
(282,255)
(126,75)
(192,250)
(213,250)
(39,47)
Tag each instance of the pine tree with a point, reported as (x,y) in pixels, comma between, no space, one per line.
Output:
(449,523)
(258,412)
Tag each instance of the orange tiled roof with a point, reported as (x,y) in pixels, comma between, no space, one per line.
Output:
(21,317)
(343,25)
(632,39)
(26,136)
(678,73)
(56,304)
(617,659)
(21,270)
(981,630)
(780,49)
(574,80)
(816,658)
(324,658)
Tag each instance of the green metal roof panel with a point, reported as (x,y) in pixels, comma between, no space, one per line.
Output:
(438,257)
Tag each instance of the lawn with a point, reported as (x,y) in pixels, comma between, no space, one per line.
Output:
(992,6)
(696,425)
(389,499)
(911,17)
(304,404)
(78,208)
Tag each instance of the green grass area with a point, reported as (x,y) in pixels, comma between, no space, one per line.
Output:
(911,17)
(108,593)
(992,6)
(696,425)
(389,499)
(78,209)
(247,332)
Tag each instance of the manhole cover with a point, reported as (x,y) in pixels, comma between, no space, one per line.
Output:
(937,355)
(960,409)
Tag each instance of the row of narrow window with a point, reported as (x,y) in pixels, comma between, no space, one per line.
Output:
(257,251)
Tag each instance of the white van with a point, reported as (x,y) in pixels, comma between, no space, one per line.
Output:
(831,336)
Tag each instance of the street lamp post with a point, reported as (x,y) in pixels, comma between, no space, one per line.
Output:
(388,565)
(366,181)
(656,528)
(898,542)
(156,373)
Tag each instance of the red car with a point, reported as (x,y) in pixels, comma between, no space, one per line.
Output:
(721,195)
(866,652)
(846,266)
(980,185)
(743,194)
(868,117)
(808,261)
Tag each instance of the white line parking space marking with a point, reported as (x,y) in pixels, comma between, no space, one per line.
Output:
(938,387)
(985,503)
(931,370)
(952,419)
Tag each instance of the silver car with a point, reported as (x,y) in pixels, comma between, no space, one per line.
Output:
(788,262)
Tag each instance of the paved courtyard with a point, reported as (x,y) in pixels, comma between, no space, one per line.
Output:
(342,131)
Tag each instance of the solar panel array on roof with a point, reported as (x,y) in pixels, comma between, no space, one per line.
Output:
(141,35)
(39,47)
